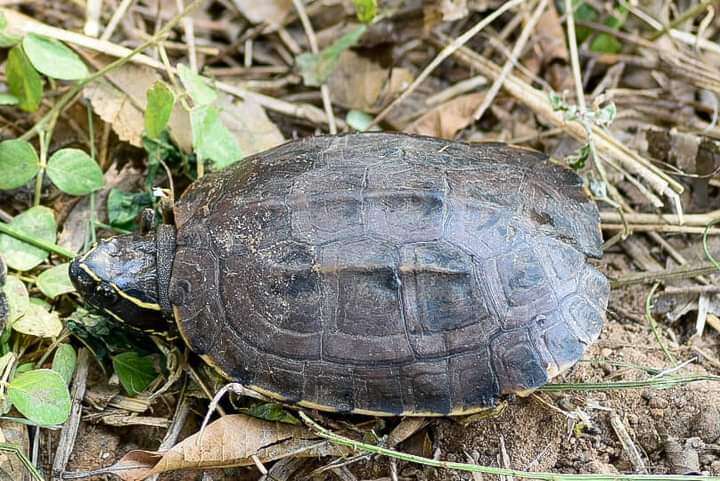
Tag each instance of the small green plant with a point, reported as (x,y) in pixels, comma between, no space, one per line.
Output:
(601,117)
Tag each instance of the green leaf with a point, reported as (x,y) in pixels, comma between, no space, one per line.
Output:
(40,302)
(583,13)
(23,80)
(64,361)
(605,43)
(134,371)
(211,139)
(7,99)
(124,207)
(358,120)
(24,367)
(41,396)
(18,163)
(557,102)
(38,321)
(271,412)
(38,222)
(17,296)
(316,68)
(366,10)
(74,172)
(53,58)
(578,160)
(6,39)
(197,86)
(606,115)
(55,281)
(160,103)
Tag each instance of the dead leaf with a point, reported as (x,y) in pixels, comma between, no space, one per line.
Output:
(448,118)
(551,36)
(121,100)
(230,441)
(360,83)
(267,11)
(452,10)
(250,125)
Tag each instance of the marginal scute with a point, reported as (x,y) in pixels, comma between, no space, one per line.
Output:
(516,362)
(389,274)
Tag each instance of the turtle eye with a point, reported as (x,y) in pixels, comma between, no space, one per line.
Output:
(106,294)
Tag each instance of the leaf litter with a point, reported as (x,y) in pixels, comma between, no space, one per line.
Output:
(245,73)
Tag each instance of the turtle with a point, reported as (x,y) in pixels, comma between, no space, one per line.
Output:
(371,273)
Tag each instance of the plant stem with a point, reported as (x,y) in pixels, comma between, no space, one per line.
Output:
(685,16)
(39,243)
(654,326)
(41,172)
(655,382)
(474,468)
(18,452)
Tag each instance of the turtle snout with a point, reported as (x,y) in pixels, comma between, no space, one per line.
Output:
(82,281)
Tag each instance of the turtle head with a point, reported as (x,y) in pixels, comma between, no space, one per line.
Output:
(127,277)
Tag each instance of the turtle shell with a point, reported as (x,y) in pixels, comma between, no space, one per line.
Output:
(389,274)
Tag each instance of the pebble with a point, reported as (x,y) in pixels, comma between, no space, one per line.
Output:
(658,402)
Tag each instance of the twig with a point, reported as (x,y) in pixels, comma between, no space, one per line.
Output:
(627,443)
(637,218)
(312,40)
(673,273)
(66,443)
(510,62)
(675,290)
(93,9)
(115,19)
(187,24)
(173,432)
(579,90)
(678,229)
(450,49)
(456,89)
(691,12)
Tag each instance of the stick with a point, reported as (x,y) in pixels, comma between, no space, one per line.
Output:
(450,49)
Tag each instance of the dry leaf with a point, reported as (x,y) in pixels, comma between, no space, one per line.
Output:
(362,84)
(448,118)
(551,36)
(452,10)
(267,11)
(121,101)
(250,125)
(229,441)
